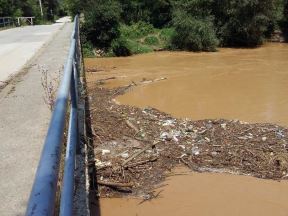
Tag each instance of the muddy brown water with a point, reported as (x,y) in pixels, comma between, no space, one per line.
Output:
(246,84)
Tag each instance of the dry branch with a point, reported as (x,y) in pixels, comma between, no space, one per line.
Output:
(132,126)
(141,162)
(115,184)
(139,153)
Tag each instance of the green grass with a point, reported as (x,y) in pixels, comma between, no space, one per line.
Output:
(135,39)
(87,49)
(137,47)
(136,30)
(151,40)
(141,38)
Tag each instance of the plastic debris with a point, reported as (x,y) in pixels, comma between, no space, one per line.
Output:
(168,122)
(195,150)
(189,129)
(264,139)
(105,151)
(182,146)
(166,136)
(214,153)
(207,139)
(101,164)
(125,155)
(224,126)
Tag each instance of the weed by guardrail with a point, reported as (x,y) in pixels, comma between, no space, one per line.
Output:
(50,84)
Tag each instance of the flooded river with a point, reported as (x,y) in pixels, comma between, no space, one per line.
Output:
(207,195)
(246,84)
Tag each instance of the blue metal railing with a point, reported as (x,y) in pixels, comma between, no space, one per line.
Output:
(6,21)
(43,195)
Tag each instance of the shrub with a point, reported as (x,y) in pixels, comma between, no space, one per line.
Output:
(193,34)
(151,40)
(238,33)
(156,12)
(87,49)
(138,48)
(166,36)
(120,47)
(127,47)
(198,9)
(136,30)
(244,23)
(101,25)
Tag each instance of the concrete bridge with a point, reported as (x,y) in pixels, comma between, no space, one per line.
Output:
(24,116)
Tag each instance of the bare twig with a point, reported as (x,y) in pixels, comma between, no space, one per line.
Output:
(152,196)
(132,126)
(50,86)
(141,162)
(185,162)
(103,80)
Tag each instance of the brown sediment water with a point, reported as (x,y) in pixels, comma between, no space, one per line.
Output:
(246,84)
(207,194)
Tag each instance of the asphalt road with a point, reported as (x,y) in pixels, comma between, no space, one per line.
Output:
(18,45)
(24,116)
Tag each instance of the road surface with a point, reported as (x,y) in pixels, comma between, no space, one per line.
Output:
(18,45)
(24,116)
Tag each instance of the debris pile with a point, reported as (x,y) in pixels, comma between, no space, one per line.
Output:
(135,149)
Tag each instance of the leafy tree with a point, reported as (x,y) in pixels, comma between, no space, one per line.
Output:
(194,30)
(74,7)
(198,9)
(156,12)
(6,9)
(159,11)
(101,25)
(193,34)
(29,8)
(242,22)
(284,23)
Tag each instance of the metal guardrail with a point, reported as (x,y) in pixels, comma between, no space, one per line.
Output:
(27,20)
(43,195)
(9,21)
(6,21)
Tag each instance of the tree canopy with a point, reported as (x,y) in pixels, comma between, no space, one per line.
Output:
(13,8)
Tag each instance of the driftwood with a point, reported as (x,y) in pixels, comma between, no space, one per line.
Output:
(139,153)
(115,184)
(103,80)
(141,162)
(185,162)
(132,126)
(94,70)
